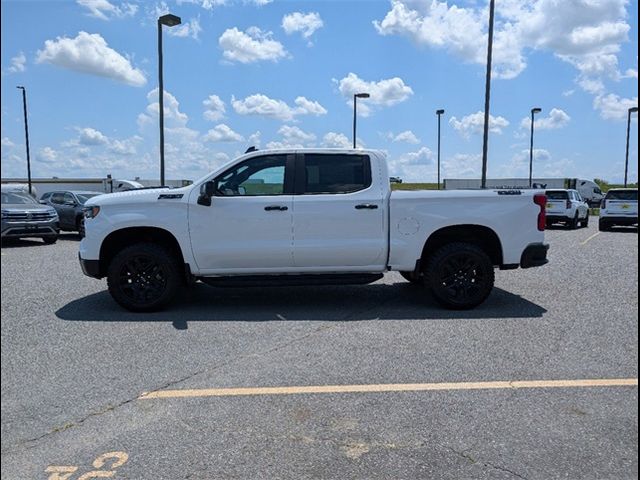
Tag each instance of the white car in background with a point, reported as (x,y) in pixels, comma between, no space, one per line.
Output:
(568,207)
(619,207)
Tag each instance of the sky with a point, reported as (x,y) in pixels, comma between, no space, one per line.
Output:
(282,74)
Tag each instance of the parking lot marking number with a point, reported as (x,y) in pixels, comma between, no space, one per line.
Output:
(61,472)
(393,387)
(590,238)
(112,460)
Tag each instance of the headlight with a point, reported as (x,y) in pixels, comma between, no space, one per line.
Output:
(91,212)
(4,214)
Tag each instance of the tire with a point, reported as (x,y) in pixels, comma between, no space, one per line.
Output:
(80,226)
(460,276)
(411,277)
(603,226)
(50,239)
(144,277)
(585,220)
(573,223)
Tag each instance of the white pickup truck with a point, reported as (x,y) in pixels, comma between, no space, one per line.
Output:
(314,216)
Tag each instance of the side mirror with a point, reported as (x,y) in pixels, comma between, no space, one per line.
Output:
(206,192)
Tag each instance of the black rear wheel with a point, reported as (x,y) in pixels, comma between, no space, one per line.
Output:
(50,239)
(460,275)
(144,277)
(573,223)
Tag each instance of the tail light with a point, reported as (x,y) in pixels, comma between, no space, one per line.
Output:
(540,199)
(568,204)
(603,205)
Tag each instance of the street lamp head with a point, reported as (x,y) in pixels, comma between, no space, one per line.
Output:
(361,95)
(633,109)
(169,20)
(22,88)
(439,112)
(536,110)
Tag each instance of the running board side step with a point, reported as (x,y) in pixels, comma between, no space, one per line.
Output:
(292,280)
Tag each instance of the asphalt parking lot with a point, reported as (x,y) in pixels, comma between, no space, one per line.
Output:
(415,391)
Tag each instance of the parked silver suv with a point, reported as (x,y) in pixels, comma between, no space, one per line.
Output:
(23,216)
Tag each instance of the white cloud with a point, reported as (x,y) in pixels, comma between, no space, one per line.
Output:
(336,140)
(305,23)
(294,134)
(385,93)
(172,115)
(275,145)
(262,105)
(407,136)
(586,34)
(474,124)
(104,10)
(191,29)
(214,108)
(89,53)
(18,63)
(47,155)
(613,107)
(222,133)
(91,136)
(557,119)
(568,93)
(251,46)
(6,142)
(631,73)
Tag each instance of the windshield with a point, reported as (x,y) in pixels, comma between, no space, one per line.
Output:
(556,195)
(17,198)
(622,195)
(83,197)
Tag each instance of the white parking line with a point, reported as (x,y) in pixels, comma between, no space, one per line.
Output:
(590,238)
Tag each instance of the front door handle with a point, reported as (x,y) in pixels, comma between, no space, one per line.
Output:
(270,208)
(369,206)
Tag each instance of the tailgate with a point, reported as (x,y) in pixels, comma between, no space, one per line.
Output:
(557,207)
(622,207)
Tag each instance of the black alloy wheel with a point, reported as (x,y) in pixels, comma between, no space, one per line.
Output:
(143,277)
(460,275)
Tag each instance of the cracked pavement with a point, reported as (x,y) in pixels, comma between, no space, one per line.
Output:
(74,365)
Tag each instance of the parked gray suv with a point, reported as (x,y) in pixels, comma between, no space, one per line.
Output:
(70,207)
(23,216)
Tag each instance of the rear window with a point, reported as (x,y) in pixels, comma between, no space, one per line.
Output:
(622,195)
(557,195)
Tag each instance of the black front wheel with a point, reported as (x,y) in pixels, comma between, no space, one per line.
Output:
(460,275)
(144,277)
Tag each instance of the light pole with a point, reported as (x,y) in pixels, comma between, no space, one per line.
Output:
(533,112)
(487,93)
(626,158)
(26,134)
(356,96)
(438,113)
(170,21)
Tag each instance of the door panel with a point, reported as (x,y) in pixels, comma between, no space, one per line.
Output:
(337,229)
(248,226)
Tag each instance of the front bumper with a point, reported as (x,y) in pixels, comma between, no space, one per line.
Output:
(13,229)
(535,255)
(91,268)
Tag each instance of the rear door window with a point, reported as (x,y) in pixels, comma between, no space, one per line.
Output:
(334,173)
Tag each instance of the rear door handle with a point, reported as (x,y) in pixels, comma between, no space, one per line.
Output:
(369,206)
(270,208)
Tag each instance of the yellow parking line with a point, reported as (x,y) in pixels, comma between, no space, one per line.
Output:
(590,238)
(392,387)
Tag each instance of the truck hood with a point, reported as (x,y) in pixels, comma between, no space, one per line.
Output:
(24,208)
(147,195)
